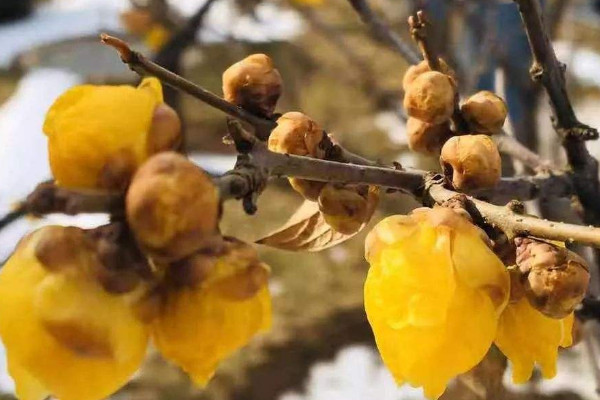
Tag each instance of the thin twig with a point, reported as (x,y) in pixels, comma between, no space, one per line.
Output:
(418,30)
(382,33)
(12,216)
(141,65)
(263,126)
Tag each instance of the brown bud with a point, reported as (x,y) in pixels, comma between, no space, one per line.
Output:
(430,98)
(426,138)
(471,162)
(416,70)
(485,112)
(344,208)
(556,278)
(172,207)
(165,130)
(297,134)
(253,84)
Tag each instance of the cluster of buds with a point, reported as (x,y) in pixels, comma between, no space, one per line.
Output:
(346,208)
(469,161)
(255,85)
(90,300)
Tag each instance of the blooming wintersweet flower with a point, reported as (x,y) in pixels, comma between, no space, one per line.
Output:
(433,296)
(99,135)
(526,337)
(201,325)
(65,335)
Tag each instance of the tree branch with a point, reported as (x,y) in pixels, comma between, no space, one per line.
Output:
(413,182)
(513,224)
(382,33)
(551,73)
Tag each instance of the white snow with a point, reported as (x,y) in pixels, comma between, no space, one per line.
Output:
(356,373)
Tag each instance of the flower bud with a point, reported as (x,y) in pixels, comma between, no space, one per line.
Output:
(471,162)
(426,138)
(297,134)
(485,112)
(172,207)
(555,278)
(430,98)
(253,84)
(345,209)
(415,71)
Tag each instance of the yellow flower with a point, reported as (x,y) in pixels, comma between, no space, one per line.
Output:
(98,133)
(526,337)
(200,326)
(156,37)
(64,334)
(432,296)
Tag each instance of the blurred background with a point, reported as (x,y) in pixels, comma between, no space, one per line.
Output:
(320,346)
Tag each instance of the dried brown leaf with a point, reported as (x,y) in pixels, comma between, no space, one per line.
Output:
(307,230)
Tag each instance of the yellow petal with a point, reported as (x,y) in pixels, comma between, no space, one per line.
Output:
(433,314)
(63,333)
(527,337)
(199,327)
(90,126)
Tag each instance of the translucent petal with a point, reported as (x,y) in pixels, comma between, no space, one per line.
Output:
(479,268)
(84,350)
(527,337)
(89,125)
(199,327)
(434,314)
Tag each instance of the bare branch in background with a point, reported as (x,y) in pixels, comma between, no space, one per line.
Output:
(389,99)
(382,33)
(551,73)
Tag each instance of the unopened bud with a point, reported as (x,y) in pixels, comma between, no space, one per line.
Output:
(430,98)
(471,162)
(556,278)
(485,112)
(427,138)
(416,70)
(253,84)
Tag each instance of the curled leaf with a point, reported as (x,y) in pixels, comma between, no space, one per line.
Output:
(307,230)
